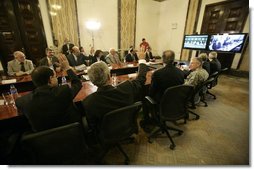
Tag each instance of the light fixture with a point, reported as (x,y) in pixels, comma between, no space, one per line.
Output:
(93,25)
(56,7)
(53,13)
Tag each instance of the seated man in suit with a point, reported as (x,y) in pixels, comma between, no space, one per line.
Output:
(215,64)
(131,56)
(165,77)
(50,60)
(66,48)
(205,61)
(198,74)
(149,55)
(107,97)
(20,65)
(50,105)
(112,57)
(98,56)
(162,79)
(76,58)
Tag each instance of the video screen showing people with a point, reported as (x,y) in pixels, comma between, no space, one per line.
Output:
(195,41)
(227,42)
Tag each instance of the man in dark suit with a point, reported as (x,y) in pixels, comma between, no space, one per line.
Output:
(50,60)
(66,48)
(76,58)
(107,97)
(50,105)
(131,56)
(206,63)
(165,77)
(215,64)
(98,56)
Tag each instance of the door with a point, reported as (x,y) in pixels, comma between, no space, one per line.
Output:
(225,17)
(21,28)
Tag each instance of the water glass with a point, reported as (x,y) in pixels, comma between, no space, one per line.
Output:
(8,98)
(114,79)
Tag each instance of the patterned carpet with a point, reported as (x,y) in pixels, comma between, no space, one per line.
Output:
(219,137)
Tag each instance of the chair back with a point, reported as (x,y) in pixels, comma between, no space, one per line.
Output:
(215,75)
(64,145)
(119,124)
(173,105)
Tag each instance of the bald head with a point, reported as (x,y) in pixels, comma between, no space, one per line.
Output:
(20,56)
(112,51)
(168,57)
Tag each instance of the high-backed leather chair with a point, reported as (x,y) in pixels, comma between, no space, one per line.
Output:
(64,145)
(172,107)
(117,126)
(215,75)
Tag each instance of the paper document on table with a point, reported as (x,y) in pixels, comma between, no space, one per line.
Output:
(9,81)
(1,102)
(133,75)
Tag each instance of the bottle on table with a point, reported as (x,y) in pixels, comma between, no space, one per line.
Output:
(64,81)
(14,92)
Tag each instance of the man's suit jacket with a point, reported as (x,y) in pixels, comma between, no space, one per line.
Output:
(163,78)
(48,107)
(14,66)
(44,61)
(110,59)
(65,50)
(109,98)
(215,65)
(94,59)
(131,58)
(149,55)
(73,62)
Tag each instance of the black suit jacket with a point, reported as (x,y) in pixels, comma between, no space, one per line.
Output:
(109,98)
(65,50)
(215,65)
(163,78)
(48,107)
(73,62)
(94,59)
(149,55)
(129,58)
(206,66)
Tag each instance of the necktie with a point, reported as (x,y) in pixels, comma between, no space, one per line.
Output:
(22,67)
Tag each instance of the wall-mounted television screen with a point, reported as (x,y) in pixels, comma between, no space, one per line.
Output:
(227,42)
(195,42)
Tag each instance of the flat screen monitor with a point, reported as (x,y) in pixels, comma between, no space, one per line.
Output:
(227,42)
(195,42)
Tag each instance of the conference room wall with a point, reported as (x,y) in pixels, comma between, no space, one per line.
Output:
(171,26)
(106,13)
(147,22)
(237,57)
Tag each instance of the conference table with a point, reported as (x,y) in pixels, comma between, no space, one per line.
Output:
(10,111)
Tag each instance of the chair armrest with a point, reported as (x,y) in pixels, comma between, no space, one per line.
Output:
(150,100)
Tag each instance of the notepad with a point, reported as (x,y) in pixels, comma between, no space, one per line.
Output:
(133,75)
(130,65)
(1,102)
(9,81)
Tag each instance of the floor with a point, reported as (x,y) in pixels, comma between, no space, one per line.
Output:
(219,137)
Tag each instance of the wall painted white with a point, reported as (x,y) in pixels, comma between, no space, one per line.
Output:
(106,13)
(171,25)
(202,9)
(46,22)
(147,22)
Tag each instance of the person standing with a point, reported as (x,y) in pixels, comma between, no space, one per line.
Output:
(19,65)
(143,45)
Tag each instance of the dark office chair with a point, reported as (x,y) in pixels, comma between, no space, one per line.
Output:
(172,107)
(215,75)
(198,95)
(117,126)
(64,145)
